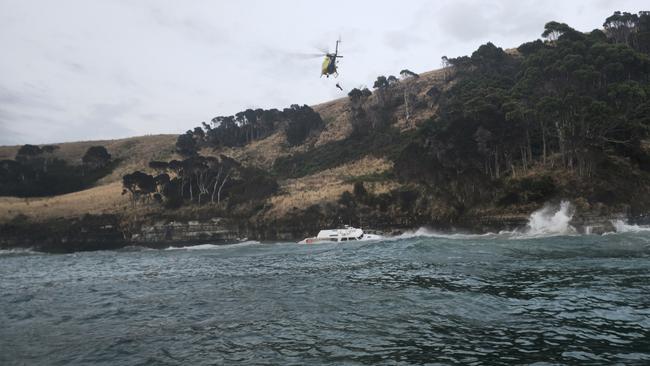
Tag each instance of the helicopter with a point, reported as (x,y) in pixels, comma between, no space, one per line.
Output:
(329,63)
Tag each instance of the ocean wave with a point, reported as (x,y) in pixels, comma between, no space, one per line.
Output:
(134,248)
(425,232)
(215,246)
(18,252)
(546,222)
(549,221)
(623,227)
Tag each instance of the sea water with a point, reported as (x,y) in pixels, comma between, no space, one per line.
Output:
(543,295)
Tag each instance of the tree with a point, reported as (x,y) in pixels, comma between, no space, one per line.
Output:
(359,191)
(159,166)
(642,36)
(529,48)
(96,157)
(49,149)
(380,83)
(186,144)
(301,121)
(405,74)
(355,95)
(553,30)
(140,185)
(27,152)
(620,26)
(161,180)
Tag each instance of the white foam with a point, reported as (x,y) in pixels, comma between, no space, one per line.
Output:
(622,227)
(215,246)
(428,233)
(547,221)
(18,251)
(550,221)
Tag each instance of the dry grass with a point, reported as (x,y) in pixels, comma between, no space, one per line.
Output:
(336,115)
(260,153)
(419,87)
(97,200)
(327,186)
(136,152)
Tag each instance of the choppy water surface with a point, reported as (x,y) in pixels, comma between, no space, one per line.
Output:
(426,299)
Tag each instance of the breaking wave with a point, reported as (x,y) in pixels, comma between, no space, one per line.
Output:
(623,227)
(551,220)
(215,246)
(429,233)
(18,252)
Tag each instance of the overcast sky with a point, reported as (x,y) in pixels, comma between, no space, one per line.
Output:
(82,70)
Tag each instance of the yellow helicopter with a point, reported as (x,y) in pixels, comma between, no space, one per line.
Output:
(329,63)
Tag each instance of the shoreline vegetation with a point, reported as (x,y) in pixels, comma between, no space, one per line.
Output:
(477,145)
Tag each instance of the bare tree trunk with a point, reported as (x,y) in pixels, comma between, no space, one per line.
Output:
(560,138)
(406,103)
(529,147)
(496,163)
(191,190)
(543,145)
(216,181)
(221,186)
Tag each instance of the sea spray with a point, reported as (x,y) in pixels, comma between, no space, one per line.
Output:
(551,220)
(424,232)
(623,227)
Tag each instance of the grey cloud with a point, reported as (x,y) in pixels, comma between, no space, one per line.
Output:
(74,66)
(80,70)
(106,117)
(10,99)
(7,135)
(401,40)
(473,20)
(193,28)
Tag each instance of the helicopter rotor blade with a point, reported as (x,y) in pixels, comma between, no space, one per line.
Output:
(306,55)
(324,50)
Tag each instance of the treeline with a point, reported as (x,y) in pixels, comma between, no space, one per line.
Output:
(36,171)
(203,180)
(375,111)
(250,125)
(373,116)
(198,180)
(575,102)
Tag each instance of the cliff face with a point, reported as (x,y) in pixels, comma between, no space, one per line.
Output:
(63,235)
(216,230)
(109,232)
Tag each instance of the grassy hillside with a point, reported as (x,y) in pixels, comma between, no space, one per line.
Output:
(133,152)
(323,186)
(495,133)
(103,199)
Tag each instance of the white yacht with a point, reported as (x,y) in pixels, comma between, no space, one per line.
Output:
(348,233)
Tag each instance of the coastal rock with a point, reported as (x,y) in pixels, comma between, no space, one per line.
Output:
(215,230)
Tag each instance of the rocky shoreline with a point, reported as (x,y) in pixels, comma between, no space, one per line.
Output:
(107,232)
